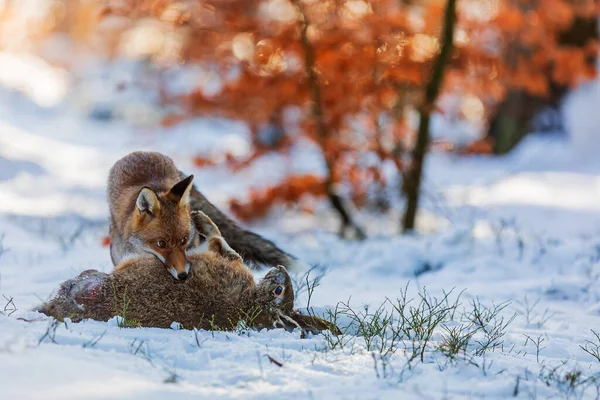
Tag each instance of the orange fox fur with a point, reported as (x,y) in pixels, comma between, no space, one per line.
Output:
(148,200)
(149,212)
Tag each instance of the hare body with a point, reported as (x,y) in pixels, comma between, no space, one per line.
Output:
(218,293)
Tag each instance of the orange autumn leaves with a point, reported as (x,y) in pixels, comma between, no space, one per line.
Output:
(371,60)
(288,192)
(534,58)
(293,188)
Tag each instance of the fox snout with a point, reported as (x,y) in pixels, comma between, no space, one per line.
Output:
(179,273)
(177,264)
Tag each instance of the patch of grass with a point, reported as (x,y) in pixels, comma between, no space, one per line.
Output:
(456,339)
(334,318)
(197,338)
(418,327)
(245,321)
(121,306)
(9,308)
(306,282)
(50,333)
(172,377)
(425,327)
(94,341)
(490,322)
(242,325)
(371,324)
(570,383)
(213,326)
(592,347)
(417,323)
(140,348)
(404,324)
(537,342)
(531,314)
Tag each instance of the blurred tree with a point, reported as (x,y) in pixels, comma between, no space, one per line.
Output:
(574,58)
(413,174)
(354,71)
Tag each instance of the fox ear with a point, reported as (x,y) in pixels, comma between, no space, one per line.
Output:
(181,191)
(147,201)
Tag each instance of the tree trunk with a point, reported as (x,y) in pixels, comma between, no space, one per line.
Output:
(317,113)
(512,120)
(412,177)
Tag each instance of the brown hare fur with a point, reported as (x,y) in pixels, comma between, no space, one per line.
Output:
(218,294)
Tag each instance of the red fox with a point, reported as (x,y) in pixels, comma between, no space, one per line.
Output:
(149,212)
(220,293)
(150,203)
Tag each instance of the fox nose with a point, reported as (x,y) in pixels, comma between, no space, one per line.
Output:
(182,275)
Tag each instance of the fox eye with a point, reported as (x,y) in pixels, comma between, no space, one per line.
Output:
(161,244)
(184,240)
(278,291)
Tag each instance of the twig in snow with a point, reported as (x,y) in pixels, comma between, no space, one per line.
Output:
(274,361)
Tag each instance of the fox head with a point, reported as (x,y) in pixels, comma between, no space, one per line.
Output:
(162,226)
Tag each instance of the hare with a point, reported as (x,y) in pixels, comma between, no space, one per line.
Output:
(219,292)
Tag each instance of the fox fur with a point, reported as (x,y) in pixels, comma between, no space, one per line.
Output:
(149,212)
(254,249)
(150,200)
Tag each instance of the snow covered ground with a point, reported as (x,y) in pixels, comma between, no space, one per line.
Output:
(524,228)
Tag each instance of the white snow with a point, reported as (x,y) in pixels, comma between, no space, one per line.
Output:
(523,228)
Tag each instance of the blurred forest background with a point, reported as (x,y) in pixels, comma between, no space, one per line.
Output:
(363,81)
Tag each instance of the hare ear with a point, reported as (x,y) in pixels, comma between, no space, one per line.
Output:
(147,202)
(180,192)
(204,225)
